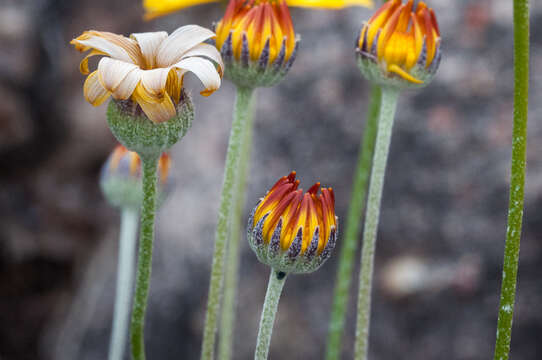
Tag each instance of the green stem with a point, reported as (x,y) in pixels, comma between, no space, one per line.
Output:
(225,211)
(125,278)
(227,320)
(350,242)
(270,305)
(517,179)
(372,214)
(144,263)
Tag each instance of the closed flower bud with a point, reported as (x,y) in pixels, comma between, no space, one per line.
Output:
(292,231)
(257,41)
(120,178)
(400,45)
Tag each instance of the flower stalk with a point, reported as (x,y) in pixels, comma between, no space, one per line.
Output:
(144,264)
(350,242)
(244,106)
(125,277)
(372,214)
(517,180)
(226,209)
(270,306)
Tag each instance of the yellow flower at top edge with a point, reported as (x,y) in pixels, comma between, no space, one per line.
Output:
(293,231)
(149,68)
(156,8)
(404,40)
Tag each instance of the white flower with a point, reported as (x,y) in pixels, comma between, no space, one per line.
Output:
(149,67)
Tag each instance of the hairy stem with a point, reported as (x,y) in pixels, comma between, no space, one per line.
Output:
(225,211)
(372,214)
(144,263)
(245,103)
(270,305)
(125,278)
(350,242)
(517,180)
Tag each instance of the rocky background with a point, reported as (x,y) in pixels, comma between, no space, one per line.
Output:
(444,209)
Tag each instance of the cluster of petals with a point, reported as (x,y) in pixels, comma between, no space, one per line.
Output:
(128,162)
(299,214)
(402,36)
(156,8)
(260,23)
(149,68)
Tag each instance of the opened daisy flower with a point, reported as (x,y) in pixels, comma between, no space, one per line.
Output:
(151,111)
(292,232)
(148,68)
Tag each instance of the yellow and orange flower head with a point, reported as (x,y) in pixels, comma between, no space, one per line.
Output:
(257,41)
(400,45)
(292,231)
(120,178)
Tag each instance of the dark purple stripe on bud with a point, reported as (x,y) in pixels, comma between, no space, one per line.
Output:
(436,61)
(274,244)
(227,49)
(329,246)
(282,54)
(295,247)
(291,60)
(258,231)
(422,59)
(313,247)
(264,57)
(244,51)
(375,43)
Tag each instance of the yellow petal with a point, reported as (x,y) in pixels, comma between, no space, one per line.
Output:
(154,82)
(83,65)
(157,112)
(116,46)
(329,4)
(156,8)
(93,90)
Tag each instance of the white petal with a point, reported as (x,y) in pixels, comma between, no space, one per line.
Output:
(127,86)
(154,80)
(204,70)
(180,41)
(206,50)
(112,72)
(94,92)
(107,47)
(149,43)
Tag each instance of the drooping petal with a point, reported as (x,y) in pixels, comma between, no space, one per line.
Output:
(208,51)
(155,8)
(116,46)
(83,65)
(204,70)
(93,90)
(149,43)
(172,49)
(157,112)
(111,74)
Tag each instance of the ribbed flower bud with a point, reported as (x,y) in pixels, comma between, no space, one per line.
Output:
(400,45)
(292,231)
(257,41)
(120,178)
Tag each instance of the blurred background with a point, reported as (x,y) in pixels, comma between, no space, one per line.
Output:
(441,238)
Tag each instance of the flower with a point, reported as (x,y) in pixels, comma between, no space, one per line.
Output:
(403,42)
(156,8)
(120,178)
(291,231)
(149,68)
